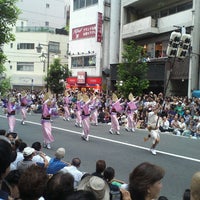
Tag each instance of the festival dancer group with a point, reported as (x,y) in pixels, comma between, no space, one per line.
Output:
(86,113)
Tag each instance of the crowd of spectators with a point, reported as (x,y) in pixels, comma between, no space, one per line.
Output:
(26,173)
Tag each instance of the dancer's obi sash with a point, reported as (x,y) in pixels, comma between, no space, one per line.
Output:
(132,105)
(86,110)
(117,106)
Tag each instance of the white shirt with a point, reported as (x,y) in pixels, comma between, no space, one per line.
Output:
(18,158)
(74,172)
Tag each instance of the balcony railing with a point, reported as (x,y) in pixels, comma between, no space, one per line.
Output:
(35,29)
(140,27)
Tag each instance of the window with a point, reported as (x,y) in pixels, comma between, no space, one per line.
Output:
(83,61)
(11,45)
(47,5)
(83,3)
(46,23)
(25,66)
(26,46)
(89,61)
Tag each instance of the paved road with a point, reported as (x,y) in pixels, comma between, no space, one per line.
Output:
(179,156)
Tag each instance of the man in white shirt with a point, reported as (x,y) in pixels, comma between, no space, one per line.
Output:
(73,170)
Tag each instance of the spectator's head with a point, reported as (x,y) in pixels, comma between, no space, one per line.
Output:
(37,146)
(186,194)
(145,181)
(59,186)
(60,153)
(5,157)
(32,183)
(162,198)
(97,186)
(76,162)
(100,166)
(82,195)
(3,132)
(109,174)
(22,146)
(195,187)
(10,183)
(28,153)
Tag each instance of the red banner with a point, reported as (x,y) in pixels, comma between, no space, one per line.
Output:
(84,32)
(81,77)
(99,27)
(89,80)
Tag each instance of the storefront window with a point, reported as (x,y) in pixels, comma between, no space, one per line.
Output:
(83,61)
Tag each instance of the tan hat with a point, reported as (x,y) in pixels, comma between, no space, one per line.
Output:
(28,151)
(85,98)
(114,97)
(96,185)
(79,96)
(131,97)
(60,153)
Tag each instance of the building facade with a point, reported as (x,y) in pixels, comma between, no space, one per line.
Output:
(149,23)
(93,42)
(40,22)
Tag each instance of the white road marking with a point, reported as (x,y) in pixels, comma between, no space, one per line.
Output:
(114,141)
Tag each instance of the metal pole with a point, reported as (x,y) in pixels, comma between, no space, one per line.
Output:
(48,56)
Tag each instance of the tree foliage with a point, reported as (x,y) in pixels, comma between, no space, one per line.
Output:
(8,17)
(56,75)
(132,71)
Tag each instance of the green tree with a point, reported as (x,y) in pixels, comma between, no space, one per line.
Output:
(56,77)
(132,71)
(8,17)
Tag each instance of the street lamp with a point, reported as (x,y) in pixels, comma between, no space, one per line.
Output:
(43,57)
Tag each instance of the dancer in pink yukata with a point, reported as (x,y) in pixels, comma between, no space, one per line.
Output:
(46,122)
(130,108)
(11,108)
(94,110)
(85,118)
(115,108)
(66,101)
(23,104)
(78,110)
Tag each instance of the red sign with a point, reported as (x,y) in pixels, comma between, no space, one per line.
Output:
(94,80)
(89,80)
(84,32)
(81,77)
(72,80)
(99,27)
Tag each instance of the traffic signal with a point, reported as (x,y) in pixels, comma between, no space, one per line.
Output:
(174,41)
(184,46)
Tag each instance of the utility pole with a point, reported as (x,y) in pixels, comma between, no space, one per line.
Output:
(194,76)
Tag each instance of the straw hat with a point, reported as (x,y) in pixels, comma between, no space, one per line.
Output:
(85,98)
(114,97)
(23,93)
(96,185)
(66,93)
(131,97)
(47,95)
(79,96)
